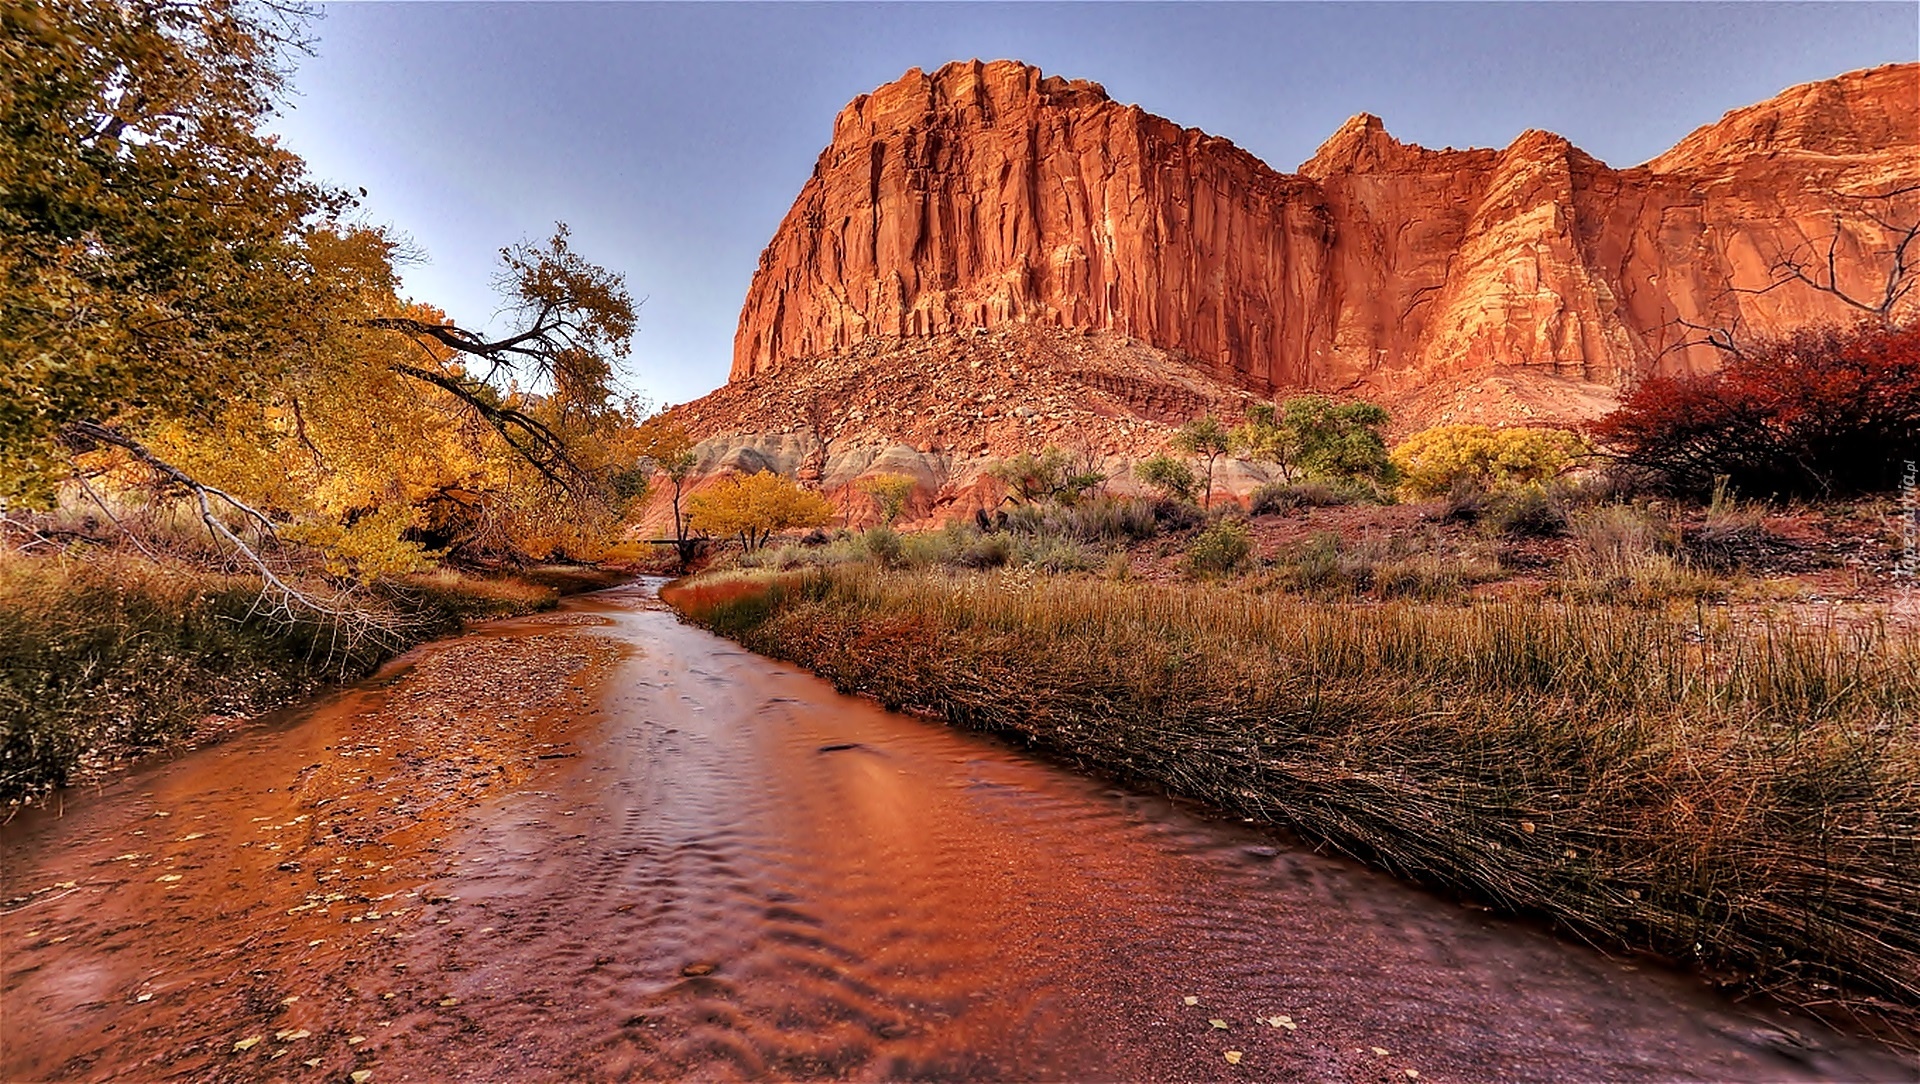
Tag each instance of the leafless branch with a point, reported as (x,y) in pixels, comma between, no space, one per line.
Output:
(279,598)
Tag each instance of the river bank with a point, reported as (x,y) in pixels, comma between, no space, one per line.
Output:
(1736,799)
(604,844)
(112,657)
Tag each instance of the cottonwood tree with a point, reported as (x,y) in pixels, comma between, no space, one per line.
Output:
(755,507)
(1207,440)
(571,319)
(177,305)
(669,449)
(1050,474)
(151,256)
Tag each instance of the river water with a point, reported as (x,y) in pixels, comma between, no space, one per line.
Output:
(601,844)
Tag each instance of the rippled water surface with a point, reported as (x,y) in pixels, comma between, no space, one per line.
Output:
(605,845)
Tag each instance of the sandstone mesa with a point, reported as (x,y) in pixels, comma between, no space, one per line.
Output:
(987,259)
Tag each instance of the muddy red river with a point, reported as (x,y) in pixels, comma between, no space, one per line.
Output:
(603,845)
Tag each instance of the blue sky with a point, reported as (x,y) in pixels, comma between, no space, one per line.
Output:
(673,137)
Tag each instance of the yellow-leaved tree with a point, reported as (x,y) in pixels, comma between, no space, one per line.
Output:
(889,493)
(379,468)
(753,507)
(1433,461)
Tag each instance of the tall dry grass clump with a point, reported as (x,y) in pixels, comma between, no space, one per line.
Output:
(115,653)
(1746,798)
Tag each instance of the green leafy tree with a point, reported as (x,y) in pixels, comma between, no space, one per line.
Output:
(1171,478)
(670,451)
(152,265)
(1263,439)
(1051,474)
(1335,439)
(1207,440)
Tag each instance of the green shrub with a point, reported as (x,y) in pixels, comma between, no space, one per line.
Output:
(1055,553)
(1173,515)
(1530,512)
(1221,548)
(883,544)
(992,550)
(1277,497)
(1171,478)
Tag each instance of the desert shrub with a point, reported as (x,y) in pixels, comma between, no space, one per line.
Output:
(1400,566)
(1733,536)
(1530,512)
(1221,548)
(1025,519)
(882,544)
(1821,413)
(1632,556)
(1289,496)
(1620,533)
(925,549)
(989,550)
(1608,483)
(1467,502)
(1169,477)
(1094,521)
(1055,553)
(1111,519)
(1175,515)
(1434,461)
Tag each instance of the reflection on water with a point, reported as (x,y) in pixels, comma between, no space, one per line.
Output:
(517,858)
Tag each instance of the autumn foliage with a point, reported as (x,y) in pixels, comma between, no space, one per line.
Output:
(1433,461)
(1826,412)
(755,507)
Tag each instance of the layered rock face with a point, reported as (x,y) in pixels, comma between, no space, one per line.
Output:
(987,195)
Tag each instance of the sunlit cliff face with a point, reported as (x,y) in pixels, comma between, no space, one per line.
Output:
(984,195)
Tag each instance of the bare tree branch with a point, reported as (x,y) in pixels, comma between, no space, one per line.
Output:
(288,600)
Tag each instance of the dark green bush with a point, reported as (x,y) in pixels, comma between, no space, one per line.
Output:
(1222,547)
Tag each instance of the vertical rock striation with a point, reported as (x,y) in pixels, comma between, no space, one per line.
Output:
(987,194)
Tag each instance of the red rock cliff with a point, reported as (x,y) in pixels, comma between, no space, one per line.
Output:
(988,194)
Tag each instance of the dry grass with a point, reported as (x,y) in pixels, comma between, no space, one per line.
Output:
(108,654)
(1741,798)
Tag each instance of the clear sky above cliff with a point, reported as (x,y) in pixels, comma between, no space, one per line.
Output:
(673,137)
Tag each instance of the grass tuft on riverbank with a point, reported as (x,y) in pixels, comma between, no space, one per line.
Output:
(114,654)
(1742,797)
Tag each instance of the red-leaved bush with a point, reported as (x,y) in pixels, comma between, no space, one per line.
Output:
(1825,412)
